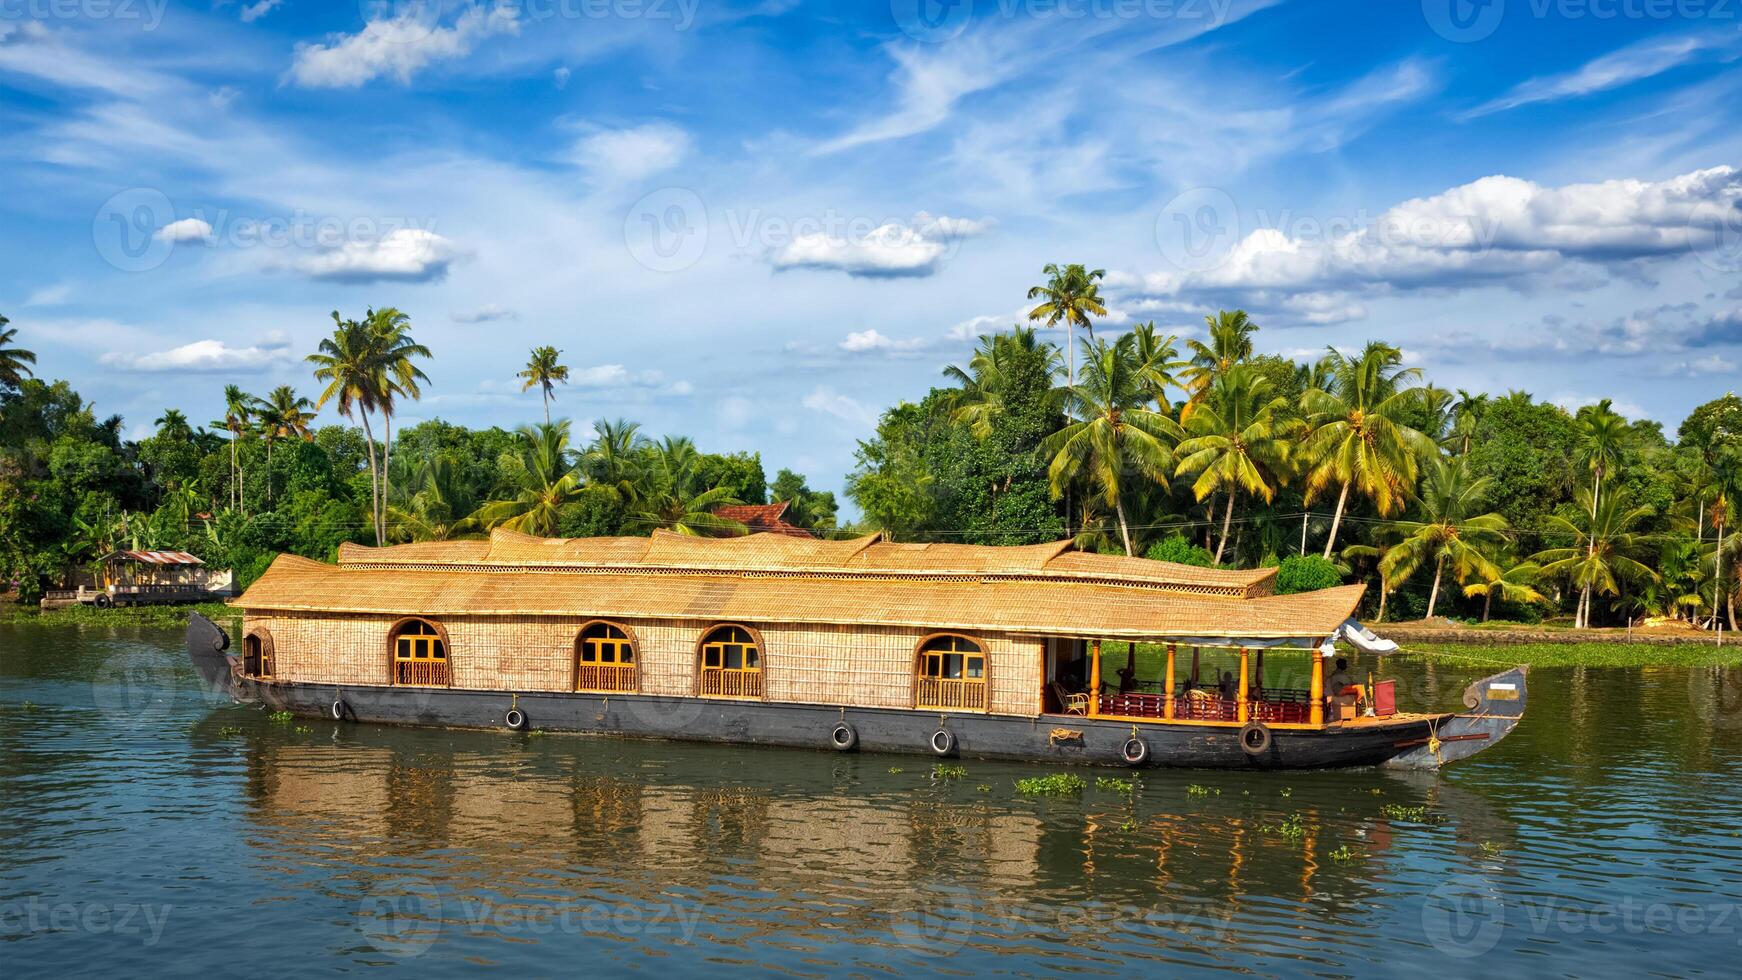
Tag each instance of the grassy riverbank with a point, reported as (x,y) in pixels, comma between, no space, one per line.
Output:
(140,617)
(1580,654)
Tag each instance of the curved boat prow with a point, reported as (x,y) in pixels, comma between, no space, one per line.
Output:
(1497,706)
(206,644)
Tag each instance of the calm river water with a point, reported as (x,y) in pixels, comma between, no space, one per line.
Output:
(145,828)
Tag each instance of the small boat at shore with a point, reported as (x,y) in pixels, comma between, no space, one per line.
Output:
(1036,652)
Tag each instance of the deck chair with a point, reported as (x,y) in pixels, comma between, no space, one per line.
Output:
(1073,704)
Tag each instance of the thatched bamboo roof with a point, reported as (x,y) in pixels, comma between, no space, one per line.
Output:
(771,578)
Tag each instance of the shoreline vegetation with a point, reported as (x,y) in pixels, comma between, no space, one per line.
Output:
(1194,447)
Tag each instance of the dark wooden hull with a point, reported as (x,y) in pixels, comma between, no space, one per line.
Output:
(1046,738)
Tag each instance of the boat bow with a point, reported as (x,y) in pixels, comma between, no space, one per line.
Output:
(207,646)
(1497,706)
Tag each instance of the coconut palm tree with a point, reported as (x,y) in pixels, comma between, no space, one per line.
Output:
(1158,358)
(1726,478)
(1599,554)
(1450,531)
(673,497)
(1070,295)
(979,400)
(1359,437)
(393,350)
(1112,434)
(239,409)
(1466,414)
(1514,584)
(1603,436)
(1237,440)
(12,358)
(544,373)
(1230,343)
(542,479)
(346,362)
(435,506)
(283,415)
(609,462)
(173,424)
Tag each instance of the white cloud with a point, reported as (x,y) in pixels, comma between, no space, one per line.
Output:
(1702,366)
(1494,231)
(399,47)
(252,12)
(202,355)
(185,230)
(614,156)
(1617,68)
(870,340)
(618,376)
(560,78)
(487,313)
(891,250)
(828,401)
(403,255)
(53,295)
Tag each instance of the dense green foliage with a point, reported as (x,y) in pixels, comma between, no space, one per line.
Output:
(1352,469)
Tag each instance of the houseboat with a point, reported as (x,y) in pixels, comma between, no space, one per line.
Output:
(1036,652)
(143,578)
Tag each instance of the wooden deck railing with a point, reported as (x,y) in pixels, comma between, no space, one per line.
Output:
(422,673)
(938,692)
(605,678)
(723,682)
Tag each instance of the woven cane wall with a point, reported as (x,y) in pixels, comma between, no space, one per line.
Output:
(868,666)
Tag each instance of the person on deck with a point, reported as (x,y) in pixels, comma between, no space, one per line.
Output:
(1226,686)
(1339,678)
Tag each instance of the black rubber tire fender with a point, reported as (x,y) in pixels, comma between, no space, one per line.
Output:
(943,742)
(515,719)
(1135,751)
(843,737)
(1255,738)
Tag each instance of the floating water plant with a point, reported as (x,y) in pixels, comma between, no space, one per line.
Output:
(1196,790)
(1058,784)
(281,717)
(895,770)
(1291,828)
(1411,814)
(1344,853)
(944,771)
(1113,784)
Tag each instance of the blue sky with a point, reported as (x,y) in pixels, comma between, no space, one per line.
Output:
(761,223)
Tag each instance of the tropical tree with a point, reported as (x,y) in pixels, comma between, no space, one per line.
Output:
(1603,434)
(1599,555)
(238,412)
(1158,359)
(1359,437)
(1516,584)
(1450,530)
(609,461)
(1237,440)
(1070,295)
(435,506)
(1465,415)
(283,415)
(1727,487)
(1230,343)
(1112,434)
(393,350)
(174,424)
(544,373)
(541,479)
(12,358)
(980,400)
(348,365)
(673,497)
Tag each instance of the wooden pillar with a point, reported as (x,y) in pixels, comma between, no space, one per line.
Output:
(1316,696)
(1167,706)
(1244,709)
(1095,678)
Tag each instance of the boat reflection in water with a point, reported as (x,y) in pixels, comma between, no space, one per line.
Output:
(464,841)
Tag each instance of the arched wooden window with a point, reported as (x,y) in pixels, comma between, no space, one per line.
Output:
(730,659)
(951,673)
(605,659)
(420,654)
(257,654)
